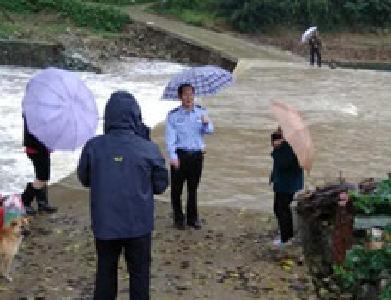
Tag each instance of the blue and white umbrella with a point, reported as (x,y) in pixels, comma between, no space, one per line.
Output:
(206,80)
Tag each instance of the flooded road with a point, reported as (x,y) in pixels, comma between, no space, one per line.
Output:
(348,112)
(145,79)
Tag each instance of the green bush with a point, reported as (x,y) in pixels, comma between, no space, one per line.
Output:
(368,12)
(91,15)
(7,29)
(122,2)
(386,293)
(17,5)
(377,202)
(96,16)
(362,265)
(250,15)
(254,15)
(198,5)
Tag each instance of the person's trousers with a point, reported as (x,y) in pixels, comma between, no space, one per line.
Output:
(315,52)
(190,169)
(282,210)
(138,259)
(41,163)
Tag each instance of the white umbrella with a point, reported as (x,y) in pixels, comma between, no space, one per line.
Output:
(308,33)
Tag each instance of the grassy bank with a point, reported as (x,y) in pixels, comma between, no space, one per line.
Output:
(81,13)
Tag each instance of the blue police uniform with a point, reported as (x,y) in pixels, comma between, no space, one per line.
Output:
(184,141)
(185,130)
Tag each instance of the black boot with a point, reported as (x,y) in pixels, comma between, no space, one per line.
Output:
(27,198)
(43,203)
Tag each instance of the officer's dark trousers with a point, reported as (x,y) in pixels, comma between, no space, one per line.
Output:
(315,52)
(138,259)
(283,213)
(190,169)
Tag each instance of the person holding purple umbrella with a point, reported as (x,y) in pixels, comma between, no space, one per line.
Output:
(59,113)
(39,155)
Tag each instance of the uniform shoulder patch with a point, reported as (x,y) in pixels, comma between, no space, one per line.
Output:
(199,106)
(174,110)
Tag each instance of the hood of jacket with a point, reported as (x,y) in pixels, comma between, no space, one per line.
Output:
(122,112)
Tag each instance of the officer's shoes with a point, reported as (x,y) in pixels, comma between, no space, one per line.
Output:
(196,225)
(179,225)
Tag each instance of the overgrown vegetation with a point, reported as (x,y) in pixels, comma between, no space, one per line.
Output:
(365,266)
(377,202)
(6,29)
(197,12)
(122,2)
(255,15)
(100,17)
(362,265)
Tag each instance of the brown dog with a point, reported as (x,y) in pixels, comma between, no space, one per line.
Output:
(10,240)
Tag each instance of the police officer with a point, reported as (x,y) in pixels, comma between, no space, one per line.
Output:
(185,127)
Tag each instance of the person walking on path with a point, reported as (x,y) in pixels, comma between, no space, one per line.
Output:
(315,49)
(287,178)
(39,155)
(185,127)
(123,171)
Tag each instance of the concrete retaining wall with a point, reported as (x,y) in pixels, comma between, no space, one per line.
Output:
(140,40)
(29,54)
(152,42)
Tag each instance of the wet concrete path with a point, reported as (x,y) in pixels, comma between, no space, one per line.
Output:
(221,42)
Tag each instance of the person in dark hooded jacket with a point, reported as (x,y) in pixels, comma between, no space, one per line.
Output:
(123,170)
(287,178)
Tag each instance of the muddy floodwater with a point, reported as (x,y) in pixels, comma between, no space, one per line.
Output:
(348,111)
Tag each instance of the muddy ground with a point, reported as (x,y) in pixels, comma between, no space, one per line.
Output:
(230,258)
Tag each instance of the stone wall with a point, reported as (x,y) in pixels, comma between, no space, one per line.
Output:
(138,40)
(151,42)
(325,229)
(29,54)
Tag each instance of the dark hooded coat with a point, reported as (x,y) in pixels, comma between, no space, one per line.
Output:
(123,169)
(287,175)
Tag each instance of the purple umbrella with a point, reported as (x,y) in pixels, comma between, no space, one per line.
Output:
(59,109)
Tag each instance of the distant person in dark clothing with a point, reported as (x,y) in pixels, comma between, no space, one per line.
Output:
(315,49)
(287,178)
(40,157)
(123,170)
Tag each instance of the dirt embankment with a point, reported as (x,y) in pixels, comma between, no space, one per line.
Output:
(338,46)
